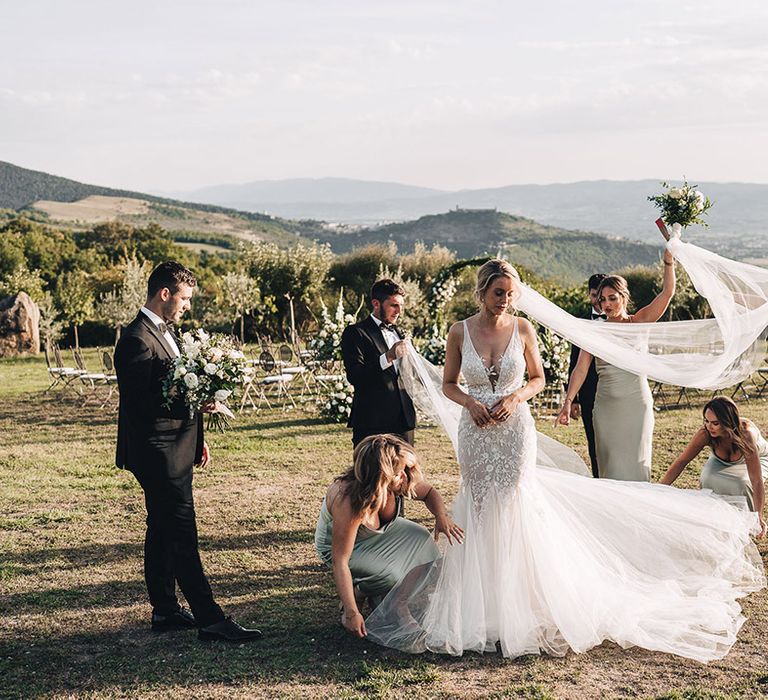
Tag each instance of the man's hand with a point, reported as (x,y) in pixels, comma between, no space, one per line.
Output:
(396,351)
(205,460)
(575,411)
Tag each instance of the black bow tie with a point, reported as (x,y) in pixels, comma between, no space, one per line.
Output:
(163,327)
(389,327)
(603,316)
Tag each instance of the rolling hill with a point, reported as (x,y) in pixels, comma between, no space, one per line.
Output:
(73,204)
(738,221)
(550,251)
(569,255)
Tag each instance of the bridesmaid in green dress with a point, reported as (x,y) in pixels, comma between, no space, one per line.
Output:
(361,533)
(623,412)
(738,463)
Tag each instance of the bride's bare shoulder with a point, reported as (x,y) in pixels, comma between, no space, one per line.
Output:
(524,326)
(457,329)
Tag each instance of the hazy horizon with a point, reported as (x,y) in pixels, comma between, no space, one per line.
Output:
(176,96)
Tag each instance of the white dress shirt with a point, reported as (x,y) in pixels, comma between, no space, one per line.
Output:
(390,338)
(168,336)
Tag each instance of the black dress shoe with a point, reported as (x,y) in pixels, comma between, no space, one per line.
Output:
(228,631)
(182,619)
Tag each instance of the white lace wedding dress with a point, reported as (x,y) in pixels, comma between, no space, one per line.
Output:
(554,561)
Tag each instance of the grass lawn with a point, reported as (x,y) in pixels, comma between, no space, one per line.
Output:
(73,614)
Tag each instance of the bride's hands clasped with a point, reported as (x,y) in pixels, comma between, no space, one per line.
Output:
(505,406)
(481,414)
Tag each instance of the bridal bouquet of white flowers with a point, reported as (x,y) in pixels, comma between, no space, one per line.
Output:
(683,205)
(206,374)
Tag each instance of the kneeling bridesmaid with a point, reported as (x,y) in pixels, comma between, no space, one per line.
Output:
(361,533)
(738,464)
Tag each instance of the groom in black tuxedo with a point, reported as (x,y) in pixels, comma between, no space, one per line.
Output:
(371,350)
(585,399)
(160,446)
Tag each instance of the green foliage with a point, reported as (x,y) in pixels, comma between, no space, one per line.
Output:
(683,205)
(169,211)
(22,280)
(74,298)
(296,273)
(357,270)
(119,306)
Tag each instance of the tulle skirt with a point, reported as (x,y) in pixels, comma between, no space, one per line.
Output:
(563,562)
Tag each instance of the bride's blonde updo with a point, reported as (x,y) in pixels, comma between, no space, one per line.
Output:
(490,271)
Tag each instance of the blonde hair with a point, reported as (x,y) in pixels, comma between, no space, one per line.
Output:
(618,283)
(492,269)
(373,471)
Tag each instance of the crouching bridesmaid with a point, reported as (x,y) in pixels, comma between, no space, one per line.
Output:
(361,533)
(738,460)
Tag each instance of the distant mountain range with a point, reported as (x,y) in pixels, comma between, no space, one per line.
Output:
(604,206)
(554,250)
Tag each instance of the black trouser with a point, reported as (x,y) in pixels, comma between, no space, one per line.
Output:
(589,430)
(171,551)
(357,436)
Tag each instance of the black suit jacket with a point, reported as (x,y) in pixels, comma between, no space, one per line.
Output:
(586,395)
(151,437)
(380,404)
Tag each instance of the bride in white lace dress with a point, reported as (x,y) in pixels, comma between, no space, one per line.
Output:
(551,560)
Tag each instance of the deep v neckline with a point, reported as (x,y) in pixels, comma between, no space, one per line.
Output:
(503,355)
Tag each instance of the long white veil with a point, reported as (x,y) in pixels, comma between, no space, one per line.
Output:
(706,354)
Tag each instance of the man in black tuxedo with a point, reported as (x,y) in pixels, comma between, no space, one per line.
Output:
(160,446)
(585,399)
(371,350)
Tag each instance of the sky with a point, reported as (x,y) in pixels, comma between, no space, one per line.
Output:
(174,95)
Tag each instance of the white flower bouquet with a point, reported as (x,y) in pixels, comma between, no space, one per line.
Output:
(336,402)
(206,374)
(683,205)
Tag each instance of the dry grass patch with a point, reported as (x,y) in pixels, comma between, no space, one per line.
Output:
(74,618)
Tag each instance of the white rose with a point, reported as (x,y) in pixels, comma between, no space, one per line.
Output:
(323,333)
(675,193)
(211,368)
(191,380)
(328,406)
(349,399)
(179,372)
(216,355)
(339,386)
(222,395)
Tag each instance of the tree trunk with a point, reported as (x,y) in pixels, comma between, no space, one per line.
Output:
(242,329)
(117,334)
(77,340)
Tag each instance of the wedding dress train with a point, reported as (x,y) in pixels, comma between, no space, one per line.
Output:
(554,561)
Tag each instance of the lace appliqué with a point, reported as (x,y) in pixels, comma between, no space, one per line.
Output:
(495,456)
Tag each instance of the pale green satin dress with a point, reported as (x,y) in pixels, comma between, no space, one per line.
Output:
(623,420)
(380,558)
(732,478)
